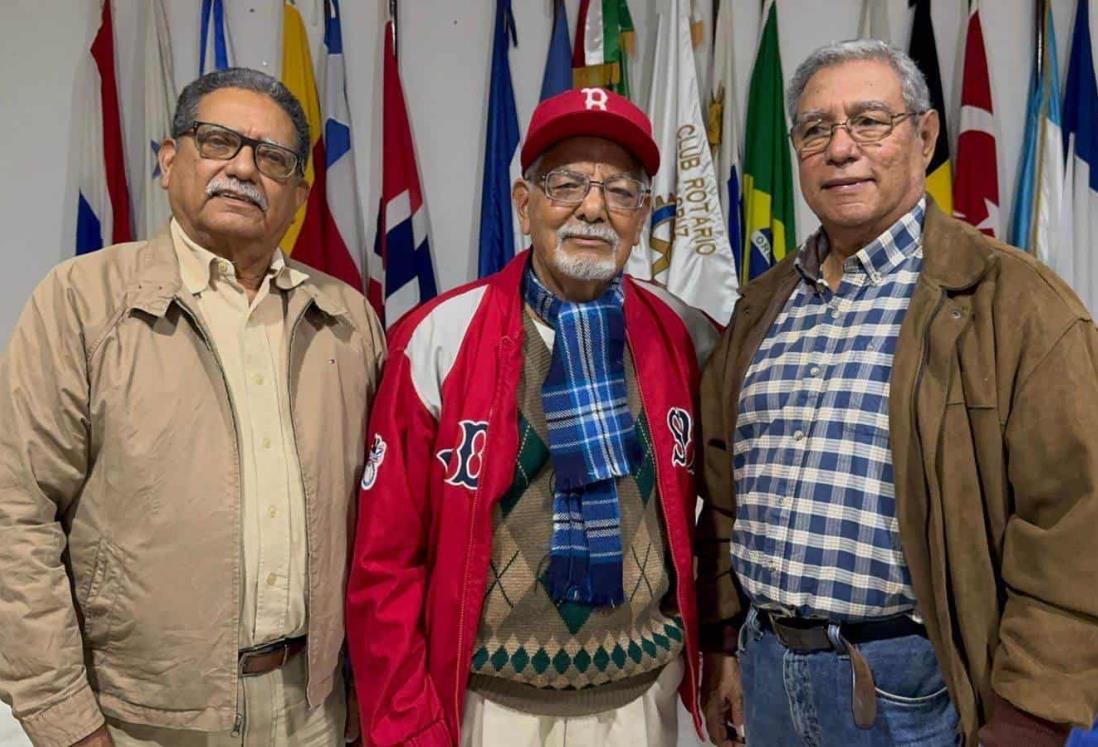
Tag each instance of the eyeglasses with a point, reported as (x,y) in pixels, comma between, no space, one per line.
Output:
(621,192)
(813,135)
(222,144)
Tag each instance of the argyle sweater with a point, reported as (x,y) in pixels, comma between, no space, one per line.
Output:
(569,660)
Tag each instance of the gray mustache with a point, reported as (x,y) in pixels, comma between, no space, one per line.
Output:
(220,185)
(602,232)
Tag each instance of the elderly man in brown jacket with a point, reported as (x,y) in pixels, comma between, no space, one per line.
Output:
(182,435)
(900,428)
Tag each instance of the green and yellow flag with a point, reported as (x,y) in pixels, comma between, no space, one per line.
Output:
(605,39)
(767,172)
(939,174)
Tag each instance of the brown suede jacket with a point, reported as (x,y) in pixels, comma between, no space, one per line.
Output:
(994,427)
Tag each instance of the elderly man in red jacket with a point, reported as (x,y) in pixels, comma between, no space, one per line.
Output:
(523,565)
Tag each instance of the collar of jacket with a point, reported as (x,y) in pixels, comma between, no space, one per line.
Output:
(157,283)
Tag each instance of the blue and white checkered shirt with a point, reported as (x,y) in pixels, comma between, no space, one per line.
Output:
(816,531)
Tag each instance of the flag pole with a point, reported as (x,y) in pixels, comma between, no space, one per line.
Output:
(1039,25)
(393,17)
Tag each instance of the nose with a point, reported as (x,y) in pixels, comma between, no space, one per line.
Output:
(841,148)
(242,165)
(593,208)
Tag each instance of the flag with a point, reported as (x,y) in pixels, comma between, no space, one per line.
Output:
(558,63)
(341,187)
(723,133)
(767,172)
(689,245)
(402,240)
(976,188)
(605,39)
(501,167)
(874,23)
(103,200)
(1036,225)
(313,237)
(159,100)
(939,178)
(1081,180)
(214,53)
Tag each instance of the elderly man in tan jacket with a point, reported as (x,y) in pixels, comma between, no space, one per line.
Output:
(182,437)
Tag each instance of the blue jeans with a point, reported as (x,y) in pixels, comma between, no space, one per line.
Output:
(796,699)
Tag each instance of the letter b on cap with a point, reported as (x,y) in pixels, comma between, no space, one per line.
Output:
(595,98)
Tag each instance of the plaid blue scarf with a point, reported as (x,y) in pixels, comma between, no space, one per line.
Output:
(591,441)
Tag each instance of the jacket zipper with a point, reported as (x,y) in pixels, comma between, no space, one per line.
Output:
(290,389)
(238,723)
(679,585)
(469,549)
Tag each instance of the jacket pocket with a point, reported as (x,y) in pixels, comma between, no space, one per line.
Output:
(100,594)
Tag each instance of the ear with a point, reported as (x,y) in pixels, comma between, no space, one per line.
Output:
(301,193)
(520,197)
(928,134)
(642,220)
(166,157)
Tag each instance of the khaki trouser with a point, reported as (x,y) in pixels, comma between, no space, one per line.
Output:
(275,713)
(649,721)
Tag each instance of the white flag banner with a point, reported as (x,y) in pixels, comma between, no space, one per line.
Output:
(688,241)
(160,98)
(723,116)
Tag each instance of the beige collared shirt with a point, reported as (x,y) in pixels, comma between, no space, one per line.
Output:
(251,339)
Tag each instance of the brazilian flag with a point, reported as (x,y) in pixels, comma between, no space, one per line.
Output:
(767,173)
(939,174)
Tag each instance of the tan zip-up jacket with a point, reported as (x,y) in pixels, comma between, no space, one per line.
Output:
(994,424)
(120,493)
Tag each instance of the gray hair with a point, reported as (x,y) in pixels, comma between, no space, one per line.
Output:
(186,108)
(912,82)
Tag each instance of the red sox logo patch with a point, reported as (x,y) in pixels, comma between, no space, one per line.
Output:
(469,452)
(681,426)
(373,462)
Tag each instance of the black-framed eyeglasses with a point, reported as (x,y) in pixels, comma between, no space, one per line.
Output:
(222,144)
(813,135)
(622,193)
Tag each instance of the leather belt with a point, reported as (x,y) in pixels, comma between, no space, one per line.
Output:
(808,635)
(269,656)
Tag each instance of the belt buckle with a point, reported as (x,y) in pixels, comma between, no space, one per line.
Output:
(252,653)
(777,624)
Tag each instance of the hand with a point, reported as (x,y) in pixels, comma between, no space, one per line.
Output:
(722,696)
(352,730)
(98,738)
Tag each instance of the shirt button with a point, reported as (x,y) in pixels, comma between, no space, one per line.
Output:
(272,512)
(259,379)
(814,371)
(833,313)
(265,443)
(798,435)
(271,579)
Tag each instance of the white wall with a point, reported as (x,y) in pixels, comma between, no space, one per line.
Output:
(445,54)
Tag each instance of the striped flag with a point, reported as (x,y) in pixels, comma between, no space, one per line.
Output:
(767,171)
(690,252)
(939,177)
(159,100)
(1081,180)
(723,133)
(402,238)
(874,23)
(976,188)
(103,199)
(498,237)
(605,39)
(340,183)
(558,62)
(1036,225)
(214,48)
(313,237)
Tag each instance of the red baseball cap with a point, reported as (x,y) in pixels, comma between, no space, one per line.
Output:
(595,112)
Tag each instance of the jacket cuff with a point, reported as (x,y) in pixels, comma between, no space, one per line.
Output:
(1012,726)
(66,721)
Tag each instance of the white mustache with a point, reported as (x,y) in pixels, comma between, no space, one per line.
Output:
(600,231)
(232,185)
